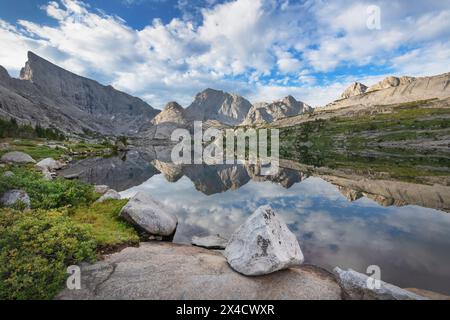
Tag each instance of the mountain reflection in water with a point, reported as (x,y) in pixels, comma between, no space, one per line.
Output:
(348,221)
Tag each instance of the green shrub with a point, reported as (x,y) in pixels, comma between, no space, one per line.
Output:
(48,194)
(35,249)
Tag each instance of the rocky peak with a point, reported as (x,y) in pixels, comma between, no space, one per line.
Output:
(390,82)
(354,89)
(289,105)
(289,101)
(218,105)
(174,106)
(172,112)
(268,112)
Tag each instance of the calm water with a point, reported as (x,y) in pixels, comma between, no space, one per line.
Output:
(411,244)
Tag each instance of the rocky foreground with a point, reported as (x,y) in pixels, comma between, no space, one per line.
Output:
(168,271)
(159,270)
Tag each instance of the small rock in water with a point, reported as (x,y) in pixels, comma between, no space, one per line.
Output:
(149,215)
(102,189)
(356,287)
(49,164)
(262,245)
(210,242)
(17,157)
(110,194)
(15,197)
(8,174)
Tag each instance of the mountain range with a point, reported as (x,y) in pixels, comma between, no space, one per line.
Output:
(51,96)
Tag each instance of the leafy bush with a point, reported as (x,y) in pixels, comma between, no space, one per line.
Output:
(35,249)
(48,194)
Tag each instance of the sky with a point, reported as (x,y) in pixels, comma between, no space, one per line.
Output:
(163,50)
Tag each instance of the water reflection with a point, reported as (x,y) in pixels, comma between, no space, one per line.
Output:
(409,243)
(339,220)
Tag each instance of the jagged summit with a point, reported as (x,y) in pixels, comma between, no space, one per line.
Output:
(173,113)
(356,88)
(211,104)
(268,112)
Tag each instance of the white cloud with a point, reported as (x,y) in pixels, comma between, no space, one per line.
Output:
(262,49)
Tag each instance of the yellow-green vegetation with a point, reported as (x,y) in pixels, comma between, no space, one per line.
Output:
(375,143)
(36,148)
(36,246)
(65,226)
(108,229)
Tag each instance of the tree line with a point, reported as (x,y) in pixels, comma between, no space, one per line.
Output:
(12,129)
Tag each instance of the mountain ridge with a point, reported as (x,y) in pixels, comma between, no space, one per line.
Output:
(52,95)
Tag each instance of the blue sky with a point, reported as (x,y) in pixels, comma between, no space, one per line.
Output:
(162,50)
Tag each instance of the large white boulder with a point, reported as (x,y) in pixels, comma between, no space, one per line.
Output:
(49,164)
(358,286)
(17,157)
(149,215)
(15,197)
(263,244)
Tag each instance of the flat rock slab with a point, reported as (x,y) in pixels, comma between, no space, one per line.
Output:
(210,242)
(158,270)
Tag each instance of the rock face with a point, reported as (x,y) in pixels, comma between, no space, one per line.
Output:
(268,112)
(262,245)
(173,113)
(17,157)
(355,89)
(110,194)
(210,242)
(159,270)
(217,105)
(149,215)
(15,197)
(49,164)
(54,97)
(355,287)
